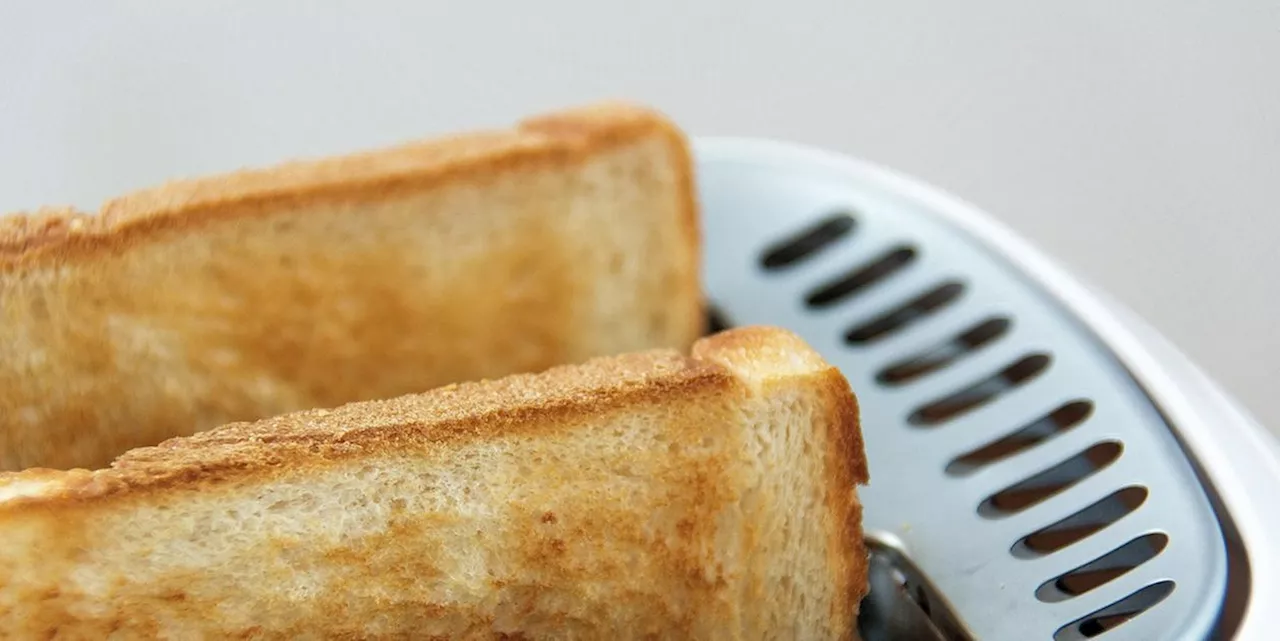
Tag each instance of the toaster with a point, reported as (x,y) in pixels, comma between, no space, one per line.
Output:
(1044,466)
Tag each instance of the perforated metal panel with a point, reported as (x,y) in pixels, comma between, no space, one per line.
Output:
(1012,458)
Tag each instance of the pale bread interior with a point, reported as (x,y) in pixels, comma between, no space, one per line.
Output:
(653,494)
(314,284)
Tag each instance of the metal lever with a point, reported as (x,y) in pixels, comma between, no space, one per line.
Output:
(902,604)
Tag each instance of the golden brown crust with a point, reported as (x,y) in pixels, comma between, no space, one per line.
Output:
(846,468)
(24,232)
(467,411)
(57,236)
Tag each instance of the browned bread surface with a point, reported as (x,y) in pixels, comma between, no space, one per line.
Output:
(318,283)
(651,495)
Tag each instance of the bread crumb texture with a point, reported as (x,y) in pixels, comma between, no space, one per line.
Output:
(317,283)
(652,495)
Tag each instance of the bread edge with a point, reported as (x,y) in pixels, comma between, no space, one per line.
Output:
(647,375)
(57,236)
(846,461)
(319,437)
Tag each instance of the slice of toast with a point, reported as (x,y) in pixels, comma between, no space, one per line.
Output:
(649,495)
(314,284)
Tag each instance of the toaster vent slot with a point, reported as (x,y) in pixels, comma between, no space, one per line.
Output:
(1038,431)
(1116,614)
(1082,524)
(861,278)
(913,310)
(1105,568)
(1024,465)
(807,242)
(944,354)
(1050,482)
(982,392)
(716,320)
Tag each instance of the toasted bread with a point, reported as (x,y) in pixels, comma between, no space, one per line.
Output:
(319,283)
(650,495)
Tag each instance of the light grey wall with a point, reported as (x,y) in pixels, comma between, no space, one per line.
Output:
(1138,141)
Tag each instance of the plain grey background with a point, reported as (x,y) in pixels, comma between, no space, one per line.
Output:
(1137,141)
